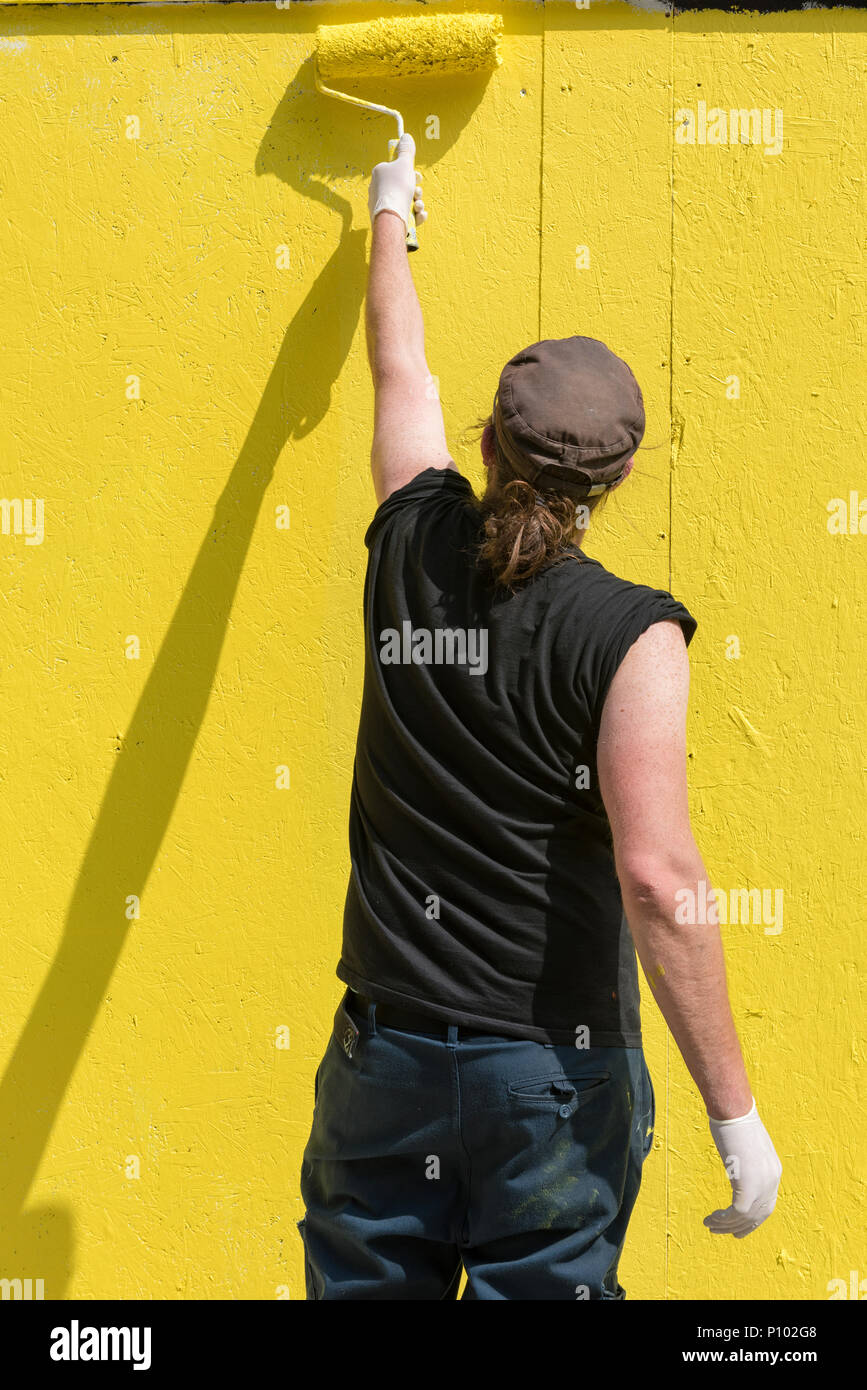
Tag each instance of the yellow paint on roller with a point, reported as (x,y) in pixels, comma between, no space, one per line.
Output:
(429,44)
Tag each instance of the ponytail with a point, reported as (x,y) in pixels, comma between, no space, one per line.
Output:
(524,531)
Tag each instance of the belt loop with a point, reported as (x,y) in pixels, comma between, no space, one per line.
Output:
(371,1017)
(452,1037)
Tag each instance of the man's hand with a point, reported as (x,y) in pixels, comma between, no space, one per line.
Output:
(394,186)
(754,1170)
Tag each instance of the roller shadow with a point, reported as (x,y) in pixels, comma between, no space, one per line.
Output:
(39,1243)
(348,140)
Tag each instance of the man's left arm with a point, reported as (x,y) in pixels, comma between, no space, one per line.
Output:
(408,430)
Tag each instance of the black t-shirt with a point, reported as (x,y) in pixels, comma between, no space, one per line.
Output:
(483,889)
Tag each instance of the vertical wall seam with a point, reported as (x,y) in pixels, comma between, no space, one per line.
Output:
(671,77)
(541,168)
(671,271)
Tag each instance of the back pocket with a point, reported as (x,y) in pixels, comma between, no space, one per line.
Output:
(561,1091)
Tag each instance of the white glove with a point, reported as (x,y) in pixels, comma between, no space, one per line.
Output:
(754,1169)
(394,185)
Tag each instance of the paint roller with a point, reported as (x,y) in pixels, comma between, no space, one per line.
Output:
(430,45)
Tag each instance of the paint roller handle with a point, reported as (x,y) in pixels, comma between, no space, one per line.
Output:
(411,230)
(394,187)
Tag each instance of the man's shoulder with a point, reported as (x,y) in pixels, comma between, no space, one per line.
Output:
(607,581)
(446,484)
(611,602)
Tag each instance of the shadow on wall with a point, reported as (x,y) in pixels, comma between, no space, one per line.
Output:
(332,137)
(39,1243)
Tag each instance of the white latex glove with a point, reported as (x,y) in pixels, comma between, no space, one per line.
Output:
(754,1170)
(395,185)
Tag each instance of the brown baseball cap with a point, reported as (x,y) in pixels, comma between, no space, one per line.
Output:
(569,415)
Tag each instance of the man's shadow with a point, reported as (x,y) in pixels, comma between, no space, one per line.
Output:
(38,1242)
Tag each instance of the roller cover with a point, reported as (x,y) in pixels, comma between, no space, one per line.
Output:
(435,44)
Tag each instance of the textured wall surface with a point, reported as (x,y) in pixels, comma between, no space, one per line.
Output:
(185,389)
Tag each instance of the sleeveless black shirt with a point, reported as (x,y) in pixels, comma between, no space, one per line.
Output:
(483,889)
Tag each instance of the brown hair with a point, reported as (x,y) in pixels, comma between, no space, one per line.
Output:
(525,531)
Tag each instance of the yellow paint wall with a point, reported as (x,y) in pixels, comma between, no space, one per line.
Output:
(218,259)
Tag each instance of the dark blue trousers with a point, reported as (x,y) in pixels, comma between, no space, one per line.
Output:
(517,1161)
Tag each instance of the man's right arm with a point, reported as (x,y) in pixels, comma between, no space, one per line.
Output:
(641,760)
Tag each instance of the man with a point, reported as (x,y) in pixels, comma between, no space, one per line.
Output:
(518,820)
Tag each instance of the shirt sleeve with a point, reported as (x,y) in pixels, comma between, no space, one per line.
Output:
(636,611)
(429,483)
